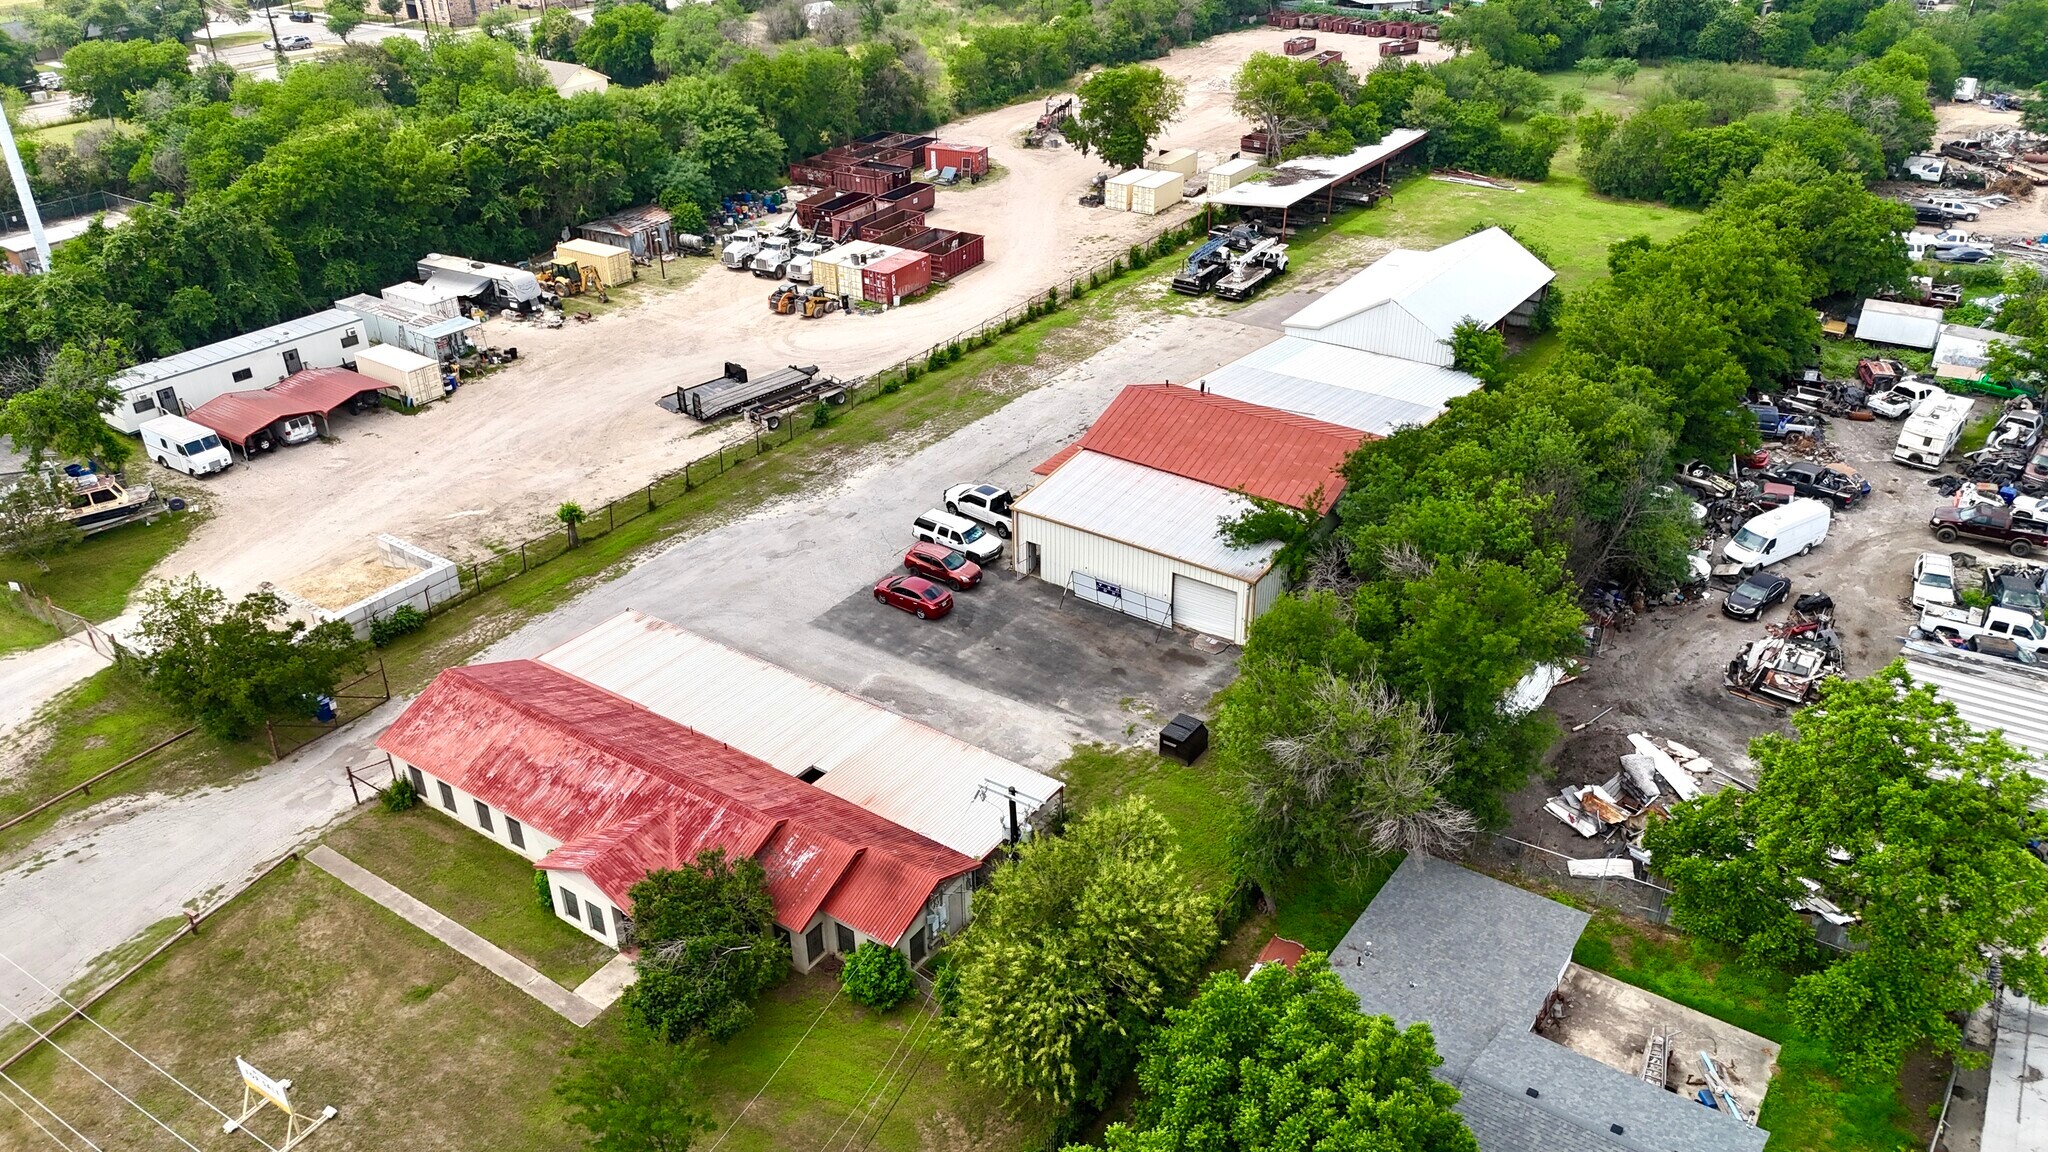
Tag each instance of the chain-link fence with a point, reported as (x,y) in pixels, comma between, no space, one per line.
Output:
(71,624)
(1615,885)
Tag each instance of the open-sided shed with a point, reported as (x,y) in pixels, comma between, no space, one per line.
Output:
(238,417)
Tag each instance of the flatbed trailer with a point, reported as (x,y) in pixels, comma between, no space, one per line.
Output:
(737,389)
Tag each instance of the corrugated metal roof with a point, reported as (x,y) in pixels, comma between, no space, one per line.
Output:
(1891,322)
(630,220)
(627,791)
(193,359)
(1989,693)
(1149,509)
(1340,385)
(1483,277)
(894,767)
(315,391)
(1216,440)
(1296,180)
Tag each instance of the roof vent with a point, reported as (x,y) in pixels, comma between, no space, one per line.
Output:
(811,775)
(1532,1093)
(1614,1128)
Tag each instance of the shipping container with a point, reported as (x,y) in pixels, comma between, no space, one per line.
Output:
(1375,27)
(894,279)
(807,208)
(1116,191)
(1231,173)
(888,220)
(1254,143)
(838,271)
(405,375)
(1325,59)
(614,264)
(1299,45)
(1156,192)
(967,159)
(1181,160)
(952,252)
(916,194)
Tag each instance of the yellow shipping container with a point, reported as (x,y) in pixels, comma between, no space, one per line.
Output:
(1231,173)
(614,265)
(1157,192)
(1117,192)
(1181,160)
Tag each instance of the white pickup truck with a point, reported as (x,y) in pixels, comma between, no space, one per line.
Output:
(2022,630)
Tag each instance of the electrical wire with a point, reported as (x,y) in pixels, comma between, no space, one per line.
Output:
(860,1103)
(914,1034)
(80,1013)
(45,1038)
(729,1128)
(16,1085)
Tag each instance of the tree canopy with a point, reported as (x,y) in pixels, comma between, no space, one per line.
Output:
(707,947)
(1122,111)
(634,1092)
(232,665)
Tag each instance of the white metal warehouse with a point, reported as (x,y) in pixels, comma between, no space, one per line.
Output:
(1128,515)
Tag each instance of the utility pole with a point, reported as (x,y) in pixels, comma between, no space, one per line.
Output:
(276,45)
(24,195)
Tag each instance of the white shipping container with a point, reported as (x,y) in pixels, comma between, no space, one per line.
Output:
(1231,173)
(1181,160)
(1157,192)
(1117,192)
(405,374)
(838,271)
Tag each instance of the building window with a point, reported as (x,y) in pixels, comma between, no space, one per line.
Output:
(348,339)
(846,944)
(483,815)
(814,944)
(419,782)
(144,403)
(242,374)
(811,775)
(569,908)
(596,917)
(917,945)
(515,833)
(447,795)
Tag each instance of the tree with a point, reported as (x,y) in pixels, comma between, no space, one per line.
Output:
(231,666)
(571,514)
(391,9)
(1270,92)
(1846,238)
(1887,97)
(1123,110)
(345,16)
(32,522)
(17,61)
(1338,772)
(107,71)
(635,1093)
(1285,1060)
(63,417)
(707,947)
(1624,70)
(1479,350)
(620,43)
(1907,818)
(556,32)
(1077,947)
(810,96)
(876,975)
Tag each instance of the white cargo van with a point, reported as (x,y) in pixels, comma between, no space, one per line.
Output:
(1779,534)
(181,444)
(1931,432)
(294,429)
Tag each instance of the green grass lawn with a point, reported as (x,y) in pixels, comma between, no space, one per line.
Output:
(1602,94)
(1197,804)
(1810,1107)
(96,578)
(19,630)
(486,888)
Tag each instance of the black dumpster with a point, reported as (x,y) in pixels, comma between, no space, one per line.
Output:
(1184,739)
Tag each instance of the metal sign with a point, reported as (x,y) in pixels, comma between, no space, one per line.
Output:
(1121,598)
(270,1089)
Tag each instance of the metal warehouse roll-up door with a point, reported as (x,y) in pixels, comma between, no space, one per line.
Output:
(1204,607)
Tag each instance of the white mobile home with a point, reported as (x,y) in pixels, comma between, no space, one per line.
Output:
(177,384)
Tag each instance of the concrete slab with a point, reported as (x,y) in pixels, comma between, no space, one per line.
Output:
(607,984)
(1611,1022)
(2016,1100)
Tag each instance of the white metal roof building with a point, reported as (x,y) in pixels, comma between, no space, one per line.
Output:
(1293,181)
(1891,322)
(1989,693)
(942,788)
(1362,390)
(1962,352)
(179,383)
(1408,303)
(1153,511)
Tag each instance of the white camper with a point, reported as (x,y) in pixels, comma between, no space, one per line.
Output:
(1779,534)
(184,446)
(1931,432)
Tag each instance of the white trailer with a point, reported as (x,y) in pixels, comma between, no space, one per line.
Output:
(1931,432)
(177,384)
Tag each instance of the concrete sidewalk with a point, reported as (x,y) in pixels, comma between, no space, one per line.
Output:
(514,971)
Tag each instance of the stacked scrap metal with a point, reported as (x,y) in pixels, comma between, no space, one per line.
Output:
(1657,774)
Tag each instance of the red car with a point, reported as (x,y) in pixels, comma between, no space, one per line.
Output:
(915,595)
(943,564)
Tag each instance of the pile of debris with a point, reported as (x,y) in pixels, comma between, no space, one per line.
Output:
(2004,152)
(1786,667)
(1655,775)
(2010,447)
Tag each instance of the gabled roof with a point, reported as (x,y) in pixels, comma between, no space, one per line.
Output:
(627,792)
(1348,386)
(1221,442)
(1484,276)
(1151,510)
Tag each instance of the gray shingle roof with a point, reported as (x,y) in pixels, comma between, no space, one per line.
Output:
(1474,959)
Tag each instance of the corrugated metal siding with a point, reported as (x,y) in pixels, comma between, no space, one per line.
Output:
(1062,551)
(1386,328)
(235,347)
(1407,303)
(1990,694)
(1906,325)
(1147,509)
(900,770)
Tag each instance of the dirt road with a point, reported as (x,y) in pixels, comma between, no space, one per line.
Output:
(575,418)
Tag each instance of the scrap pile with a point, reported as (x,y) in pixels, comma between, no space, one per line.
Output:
(1655,775)
(2010,447)
(1787,666)
(2005,152)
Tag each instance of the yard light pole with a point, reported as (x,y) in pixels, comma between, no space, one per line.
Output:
(23,195)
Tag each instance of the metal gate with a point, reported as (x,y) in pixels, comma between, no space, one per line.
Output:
(1116,597)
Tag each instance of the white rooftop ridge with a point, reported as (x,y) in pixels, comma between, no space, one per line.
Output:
(1408,303)
(1150,510)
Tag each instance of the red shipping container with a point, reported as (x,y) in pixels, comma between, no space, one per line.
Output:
(916,194)
(1254,143)
(1427,31)
(969,159)
(873,179)
(1299,45)
(1326,59)
(952,252)
(1283,19)
(894,279)
(1376,28)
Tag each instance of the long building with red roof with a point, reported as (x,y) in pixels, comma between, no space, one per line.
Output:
(599,791)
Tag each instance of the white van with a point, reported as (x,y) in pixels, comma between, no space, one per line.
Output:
(1779,534)
(185,446)
(294,429)
(1931,432)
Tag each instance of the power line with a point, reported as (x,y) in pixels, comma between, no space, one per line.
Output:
(860,1102)
(45,1038)
(892,1104)
(911,1036)
(38,1123)
(53,1115)
(772,1075)
(80,1013)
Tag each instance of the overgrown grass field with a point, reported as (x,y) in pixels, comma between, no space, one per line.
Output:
(96,578)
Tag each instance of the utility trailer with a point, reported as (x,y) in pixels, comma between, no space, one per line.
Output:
(737,390)
(771,413)
(1248,270)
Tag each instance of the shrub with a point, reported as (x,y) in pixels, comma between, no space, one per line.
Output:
(400,796)
(404,621)
(542,894)
(821,415)
(936,360)
(876,975)
(1052,300)
(945,983)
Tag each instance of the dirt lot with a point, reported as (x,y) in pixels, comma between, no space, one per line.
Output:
(575,417)
(1663,675)
(2022,219)
(1611,1022)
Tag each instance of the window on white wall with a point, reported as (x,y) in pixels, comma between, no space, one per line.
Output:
(846,944)
(596,917)
(447,795)
(515,833)
(483,815)
(419,782)
(569,908)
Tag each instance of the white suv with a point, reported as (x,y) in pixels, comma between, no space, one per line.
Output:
(984,502)
(938,527)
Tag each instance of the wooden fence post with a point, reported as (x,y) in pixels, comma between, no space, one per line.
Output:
(522,555)
(650,497)
(611,522)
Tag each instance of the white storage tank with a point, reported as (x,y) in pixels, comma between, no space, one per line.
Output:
(1155,192)
(1181,160)
(406,375)
(1231,173)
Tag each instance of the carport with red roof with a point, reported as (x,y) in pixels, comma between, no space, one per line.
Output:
(239,417)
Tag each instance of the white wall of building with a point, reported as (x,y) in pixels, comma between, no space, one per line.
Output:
(1062,551)
(326,347)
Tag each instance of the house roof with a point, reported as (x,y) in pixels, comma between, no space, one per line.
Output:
(898,769)
(1475,958)
(626,791)
(1280,950)
(1348,386)
(627,221)
(314,391)
(1483,277)
(1990,694)
(1221,442)
(234,347)
(1147,509)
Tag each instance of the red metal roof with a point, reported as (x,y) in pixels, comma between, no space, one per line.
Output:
(1280,950)
(627,792)
(236,416)
(1216,440)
